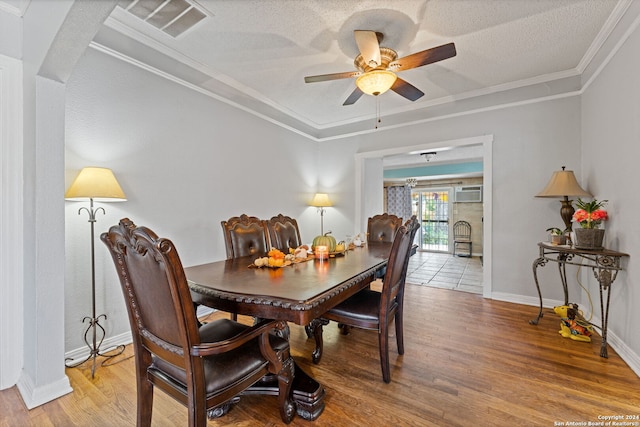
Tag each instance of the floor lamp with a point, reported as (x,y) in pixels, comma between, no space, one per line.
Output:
(94,184)
(564,184)
(321,201)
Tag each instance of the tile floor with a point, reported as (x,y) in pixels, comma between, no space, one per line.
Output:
(445,271)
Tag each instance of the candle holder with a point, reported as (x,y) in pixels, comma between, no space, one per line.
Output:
(321,252)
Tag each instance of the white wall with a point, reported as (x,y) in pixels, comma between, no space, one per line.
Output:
(610,152)
(11,213)
(185,162)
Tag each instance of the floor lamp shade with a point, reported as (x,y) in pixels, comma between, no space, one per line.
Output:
(563,184)
(321,201)
(99,184)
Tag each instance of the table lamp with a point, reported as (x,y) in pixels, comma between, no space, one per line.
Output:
(564,184)
(95,184)
(320,201)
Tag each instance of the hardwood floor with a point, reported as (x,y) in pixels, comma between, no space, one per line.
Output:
(468,362)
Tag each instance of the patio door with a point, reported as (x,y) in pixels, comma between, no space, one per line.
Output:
(433,210)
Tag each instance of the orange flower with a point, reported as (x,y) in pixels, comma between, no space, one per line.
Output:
(599,215)
(581,215)
(590,215)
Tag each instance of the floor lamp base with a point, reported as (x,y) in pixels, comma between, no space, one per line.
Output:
(94,346)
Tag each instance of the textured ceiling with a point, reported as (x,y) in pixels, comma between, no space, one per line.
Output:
(255,54)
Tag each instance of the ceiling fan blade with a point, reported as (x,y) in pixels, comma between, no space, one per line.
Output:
(367,42)
(406,89)
(424,57)
(334,76)
(355,95)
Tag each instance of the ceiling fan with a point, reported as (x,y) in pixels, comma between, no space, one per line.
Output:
(377,67)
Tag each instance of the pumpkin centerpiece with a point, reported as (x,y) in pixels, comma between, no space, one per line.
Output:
(324,240)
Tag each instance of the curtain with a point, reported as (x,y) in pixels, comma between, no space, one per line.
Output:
(399,201)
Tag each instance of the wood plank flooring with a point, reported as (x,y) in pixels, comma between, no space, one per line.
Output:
(468,362)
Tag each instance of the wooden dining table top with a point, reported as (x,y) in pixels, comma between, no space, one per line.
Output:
(299,292)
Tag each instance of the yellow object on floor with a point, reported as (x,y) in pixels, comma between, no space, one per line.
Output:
(572,324)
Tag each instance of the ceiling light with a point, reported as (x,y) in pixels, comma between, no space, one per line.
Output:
(428,156)
(376,82)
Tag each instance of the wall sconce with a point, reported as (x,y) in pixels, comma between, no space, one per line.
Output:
(564,184)
(320,201)
(97,184)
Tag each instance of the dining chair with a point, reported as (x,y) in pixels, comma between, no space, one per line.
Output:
(373,310)
(244,235)
(383,227)
(204,368)
(462,238)
(284,233)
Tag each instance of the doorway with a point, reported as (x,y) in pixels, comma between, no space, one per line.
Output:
(368,177)
(433,210)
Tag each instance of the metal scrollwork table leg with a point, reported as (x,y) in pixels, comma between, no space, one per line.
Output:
(605,273)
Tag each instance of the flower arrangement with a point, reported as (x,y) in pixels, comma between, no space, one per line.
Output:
(590,214)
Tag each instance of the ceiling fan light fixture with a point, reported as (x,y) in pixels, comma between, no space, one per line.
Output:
(376,82)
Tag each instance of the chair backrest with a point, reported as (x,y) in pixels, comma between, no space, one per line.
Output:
(382,228)
(244,235)
(155,289)
(412,225)
(394,278)
(284,233)
(461,230)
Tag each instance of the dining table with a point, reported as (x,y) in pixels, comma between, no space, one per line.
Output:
(299,293)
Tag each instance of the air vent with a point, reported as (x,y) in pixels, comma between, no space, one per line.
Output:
(173,17)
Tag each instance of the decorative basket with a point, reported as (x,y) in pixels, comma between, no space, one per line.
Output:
(589,238)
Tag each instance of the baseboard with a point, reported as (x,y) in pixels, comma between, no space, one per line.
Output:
(631,358)
(107,344)
(35,396)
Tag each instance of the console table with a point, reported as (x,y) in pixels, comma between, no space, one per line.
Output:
(605,265)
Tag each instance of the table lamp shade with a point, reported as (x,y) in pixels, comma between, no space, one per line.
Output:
(95,183)
(321,200)
(563,183)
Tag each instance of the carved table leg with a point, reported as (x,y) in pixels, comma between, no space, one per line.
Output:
(308,329)
(307,393)
(316,326)
(221,410)
(344,329)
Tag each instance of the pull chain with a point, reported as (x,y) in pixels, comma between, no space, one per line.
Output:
(378,120)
